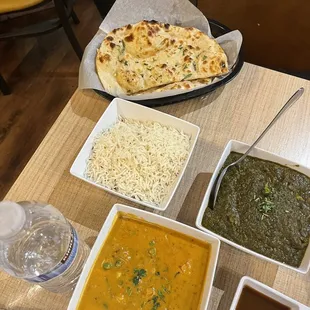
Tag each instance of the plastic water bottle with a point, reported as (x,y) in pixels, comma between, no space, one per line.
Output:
(39,245)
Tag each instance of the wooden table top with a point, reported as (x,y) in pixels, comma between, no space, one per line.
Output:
(240,111)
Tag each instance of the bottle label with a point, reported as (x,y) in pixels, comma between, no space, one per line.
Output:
(64,264)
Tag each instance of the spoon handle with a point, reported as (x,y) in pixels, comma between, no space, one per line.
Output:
(287,105)
(217,184)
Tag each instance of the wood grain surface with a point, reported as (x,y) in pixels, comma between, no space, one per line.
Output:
(240,110)
(43,74)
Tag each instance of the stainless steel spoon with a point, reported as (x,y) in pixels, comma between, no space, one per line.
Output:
(218,181)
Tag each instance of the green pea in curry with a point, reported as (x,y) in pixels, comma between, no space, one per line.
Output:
(264,207)
(146,266)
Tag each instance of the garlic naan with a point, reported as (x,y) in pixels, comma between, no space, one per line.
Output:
(178,85)
(150,54)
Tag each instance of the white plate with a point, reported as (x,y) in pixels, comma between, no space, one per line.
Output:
(268,291)
(159,220)
(119,107)
(236,146)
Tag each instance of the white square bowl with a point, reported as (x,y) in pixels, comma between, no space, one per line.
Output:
(236,146)
(119,107)
(267,291)
(159,220)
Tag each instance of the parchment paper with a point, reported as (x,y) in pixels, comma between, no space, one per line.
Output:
(174,12)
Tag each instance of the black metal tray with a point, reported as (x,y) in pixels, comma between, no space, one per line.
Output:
(217,30)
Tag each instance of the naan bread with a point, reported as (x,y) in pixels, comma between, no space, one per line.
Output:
(145,55)
(178,85)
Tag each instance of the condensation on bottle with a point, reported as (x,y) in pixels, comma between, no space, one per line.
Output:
(39,245)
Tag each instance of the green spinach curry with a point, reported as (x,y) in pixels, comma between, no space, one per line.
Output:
(264,207)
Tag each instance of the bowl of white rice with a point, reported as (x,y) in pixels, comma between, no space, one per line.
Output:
(137,153)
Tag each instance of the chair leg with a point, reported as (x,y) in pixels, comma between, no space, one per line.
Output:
(4,87)
(74,17)
(61,10)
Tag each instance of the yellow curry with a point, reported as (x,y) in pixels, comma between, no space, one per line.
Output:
(146,266)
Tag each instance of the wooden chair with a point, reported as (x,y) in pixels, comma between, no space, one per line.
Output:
(13,8)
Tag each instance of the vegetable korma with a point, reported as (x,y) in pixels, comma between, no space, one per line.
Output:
(146,266)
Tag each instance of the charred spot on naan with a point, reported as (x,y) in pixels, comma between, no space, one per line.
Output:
(106,42)
(217,65)
(116,29)
(109,38)
(129,38)
(198,35)
(104,57)
(138,28)
(152,30)
(224,67)
(187,59)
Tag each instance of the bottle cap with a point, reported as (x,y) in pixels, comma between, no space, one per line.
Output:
(12,219)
